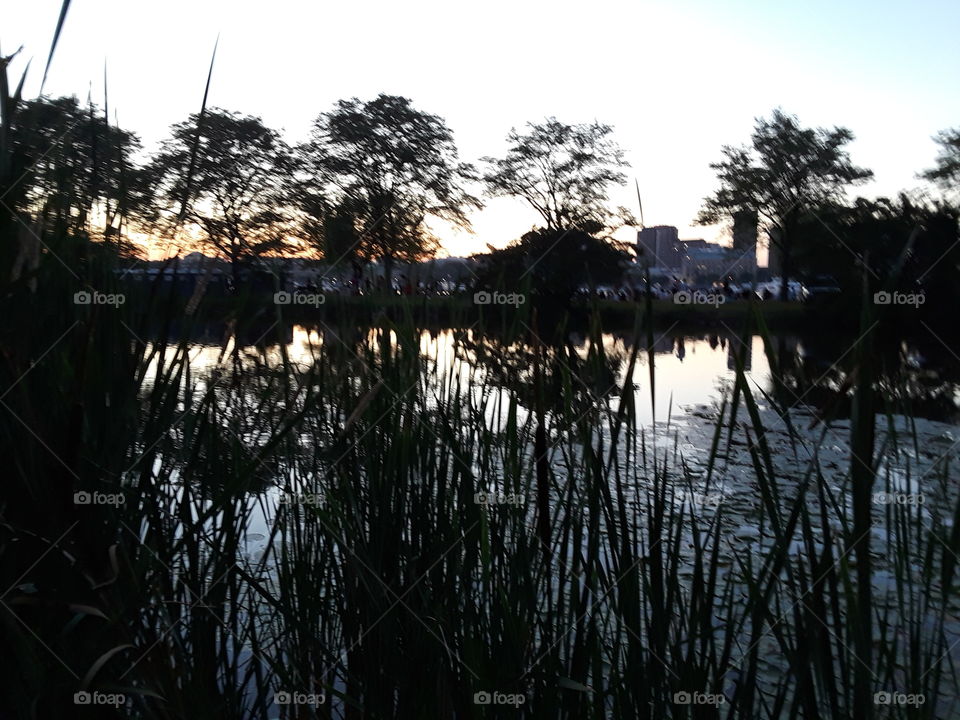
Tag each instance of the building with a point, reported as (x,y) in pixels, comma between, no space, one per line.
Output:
(702,260)
(745,234)
(667,256)
(705,260)
(659,247)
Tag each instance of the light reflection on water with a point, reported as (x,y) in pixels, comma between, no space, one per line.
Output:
(692,373)
(689,370)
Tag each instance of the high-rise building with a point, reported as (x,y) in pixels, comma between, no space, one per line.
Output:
(745,232)
(745,240)
(659,246)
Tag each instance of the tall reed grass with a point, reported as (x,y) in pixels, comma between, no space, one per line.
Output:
(387,582)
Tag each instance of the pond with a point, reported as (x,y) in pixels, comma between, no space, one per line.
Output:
(476,452)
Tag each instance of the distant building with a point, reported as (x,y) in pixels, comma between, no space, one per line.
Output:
(710,261)
(659,247)
(702,260)
(705,260)
(693,260)
(745,235)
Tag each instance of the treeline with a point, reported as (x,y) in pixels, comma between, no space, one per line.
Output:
(363,187)
(375,175)
(794,181)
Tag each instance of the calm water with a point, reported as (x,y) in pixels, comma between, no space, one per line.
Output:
(676,412)
(692,370)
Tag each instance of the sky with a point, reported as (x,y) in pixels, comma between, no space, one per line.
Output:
(677,80)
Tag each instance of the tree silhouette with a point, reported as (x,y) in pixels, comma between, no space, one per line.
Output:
(564,172)
(235,195)
(69,166)
(946,172)
(785,170)
(389,167)
(552,263)
(880,231)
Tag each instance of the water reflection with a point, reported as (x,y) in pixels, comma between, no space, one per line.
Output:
(691,369)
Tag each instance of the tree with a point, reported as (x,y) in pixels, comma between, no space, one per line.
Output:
(785,170)
(564,172)
(553,263)
(332,232)
(69,166)
(907,246)
(225,173)
(389,167)
(946,172)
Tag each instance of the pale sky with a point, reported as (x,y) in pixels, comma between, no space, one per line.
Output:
(676,79)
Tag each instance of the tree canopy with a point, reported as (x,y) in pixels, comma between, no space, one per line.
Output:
(946,171)
(70,164)
(785,169)
(553,263)
(905,245)
(564,172)
(226,173)
(389,168)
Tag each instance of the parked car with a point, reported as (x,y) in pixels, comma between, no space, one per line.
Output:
(770,290)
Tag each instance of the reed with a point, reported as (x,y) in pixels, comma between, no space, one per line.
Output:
(495,519)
